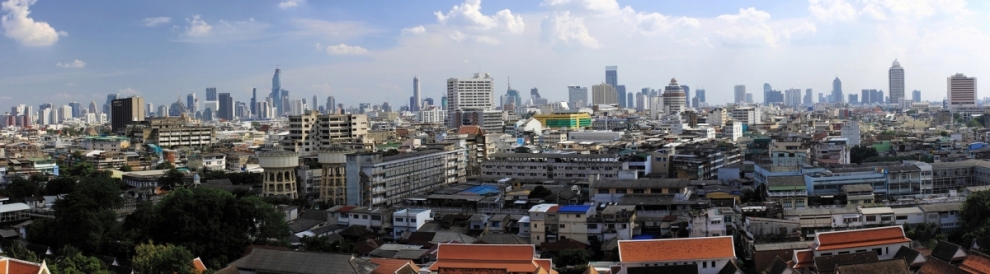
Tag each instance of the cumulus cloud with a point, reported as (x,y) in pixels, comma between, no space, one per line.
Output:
(288,4)
(344,49)
(469,14)
(563,29)
(752,23)
(828,10)
(155,21)
(128,92)
(198,27)
(25,30)
(414,30)
(648,23)
(74,64)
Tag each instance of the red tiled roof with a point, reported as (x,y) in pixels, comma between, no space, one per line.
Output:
(688,249)
(976,262)
(390,266)
(803,258)
(553,209)
(512,258)
(198,266)
(526,267)
(21,267)
(346,209)
(859,238)
(544,263)
(470,130)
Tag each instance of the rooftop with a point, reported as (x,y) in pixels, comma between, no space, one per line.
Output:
(676,250)
(859,238)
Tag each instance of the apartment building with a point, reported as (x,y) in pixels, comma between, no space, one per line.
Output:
(572,221)
(409,220)
(543,220)
(168,132)
(552,166)
(949,176)
(374,180)
(106,143)
(614,190)
(312,131)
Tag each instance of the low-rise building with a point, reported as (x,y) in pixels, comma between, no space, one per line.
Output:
(573,222)
(409,220)
(376,180)
(552,166)
(706,255)
(489,258)
(945,215)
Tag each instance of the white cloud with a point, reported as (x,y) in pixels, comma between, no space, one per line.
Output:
(74,64)
(198,27)
(563,29)
(647,23)
(414,30)
(128,92)
(828,10)
(344,49)
(155,21)
(752,23)
(468,14)
(287,4)
(23,29)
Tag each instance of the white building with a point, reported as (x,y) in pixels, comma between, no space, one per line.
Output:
(733,131)
(214,161)
(896,77)
(961,91)
(434,115)
(470,94)
(747,115)
(850,131)
(409,220)
(577,96)
(377,181)
(674,99)
(311,132)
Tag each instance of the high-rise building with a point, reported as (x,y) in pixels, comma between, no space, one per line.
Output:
(191,103)
(92,107)
(332,105)
(126,111)
(211,94)
(631,99)
(771,97)
(740,92)
(417,101)
(107,107)
(149,108)
(792,97)
(603,94)
(474,93)
(254,101)
(620,95)
(836,90)
(226,109)
(577,96)
(853,99)
(674,100)
(767,97)
(961,91)
(612,75)
(896,91)
(866,97)
(687,95)
(76,109)
(749,97)
(315,104)
(276,94)
(916,96)
(700,93)
(808,100)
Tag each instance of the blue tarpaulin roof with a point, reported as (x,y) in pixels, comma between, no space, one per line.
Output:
(481,190)
(574,209)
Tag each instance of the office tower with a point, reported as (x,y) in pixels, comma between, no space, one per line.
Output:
(427,102)
(417,96)
(695,102)
(76,109)
(645,91)
(92,107)
(285,101)
(687,95)
(674,100)
(807,98)
(226,109)
(878,97)
(277,93)
(641,102)
(853,99)
(771,97)
(162,111)
(314,105)
(865,97)
(792,97)
(631,100)
(191,103)
(126,111)
(749,97)
(700,93)
(211,94)
(177,109)
(612,76)
(916,96)
(110,98)
(961,91)
(896,91)
(740,92)
(331,105)
(836,90)
(148,109)
(474,93)
(241,110)
(254,100)
(766,94)
(603,94)
(821,97)
(620,95)
(443,102)
(577,96)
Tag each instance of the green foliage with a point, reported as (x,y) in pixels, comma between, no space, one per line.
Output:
(126,168)
(60,185)
(211,223)
(237,178)
(171,179)
(85,218)
(18,251)
(577,269)
(569,257)
(20,188)
(944,133)
(975,216)
(319,244)
(152,258)
(81,169)
(540,192)
(858,153)
(72,261)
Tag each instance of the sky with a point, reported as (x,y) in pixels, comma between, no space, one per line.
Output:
(369,51)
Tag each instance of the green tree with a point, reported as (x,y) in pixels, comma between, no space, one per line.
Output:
(81,169)
(171,179)
(20,188)
(569,257)
(60,185)
(975,216)
(152,258)
(18,251)
(859,153)
(72,261)
(539,192)
(126,168)
(85,218)
(318,244)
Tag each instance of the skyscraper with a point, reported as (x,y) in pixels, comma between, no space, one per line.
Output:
(315,104)
(961,91)
(612,76)
(126,111)
(916,96)
(211,94)
(836,90)
(700,93)
(740,92)
(620,95)
(332,105)
(687,95)
(107,107)
(603,94)
(808,100)
(767,97)
(792,97)
(254,101)
(417,101)
(92,107)
(226,109)
(191,103)
(474,93)
(277,93)
(577,96)
(896,91)
(674,100)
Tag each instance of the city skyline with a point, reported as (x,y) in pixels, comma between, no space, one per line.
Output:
(164,51)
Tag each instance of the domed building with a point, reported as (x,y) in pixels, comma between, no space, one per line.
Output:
(674,99)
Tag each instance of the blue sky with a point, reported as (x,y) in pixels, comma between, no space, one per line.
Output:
(369,51)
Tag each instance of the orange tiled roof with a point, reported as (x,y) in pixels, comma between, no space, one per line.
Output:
(21,267)
(544,263)
(512,258)
(803,258)
(976,262)
(859,238)
(470,130)
(198,266)
(513,266)
(553,209)
(688,249)
(389,266)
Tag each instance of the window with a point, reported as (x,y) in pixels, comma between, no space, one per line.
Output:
(399,220)
(879,252)
(592,226)
(624,226)
(901,218)
(561,225)
(364,217)
(602,191)
(704,264)
(871,218)
(412,220)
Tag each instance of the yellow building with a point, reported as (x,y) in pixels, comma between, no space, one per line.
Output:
(577,120)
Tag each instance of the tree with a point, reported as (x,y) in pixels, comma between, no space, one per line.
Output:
(81,169)
(318,244)
(859,153)
(152,258)
(21,188)
(171,179)
(60,185)
(18,251)
(568,257)
(126,168)
(85,218)
(72,261)
(539,192)
(975,216)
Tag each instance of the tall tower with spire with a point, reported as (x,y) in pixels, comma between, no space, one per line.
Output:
(277,92)
(417,101)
